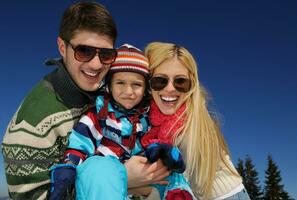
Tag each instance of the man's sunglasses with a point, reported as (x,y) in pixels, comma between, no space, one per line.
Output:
(181,84)
(84,53)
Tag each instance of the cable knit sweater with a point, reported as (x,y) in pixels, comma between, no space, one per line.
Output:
(36,137)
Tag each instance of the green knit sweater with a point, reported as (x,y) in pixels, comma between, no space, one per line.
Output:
(37,134)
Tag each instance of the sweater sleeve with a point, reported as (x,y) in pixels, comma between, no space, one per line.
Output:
(34,140)
(225,182)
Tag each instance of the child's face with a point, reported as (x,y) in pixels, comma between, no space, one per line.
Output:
(127,88)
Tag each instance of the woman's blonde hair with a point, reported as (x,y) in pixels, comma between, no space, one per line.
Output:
(200,141)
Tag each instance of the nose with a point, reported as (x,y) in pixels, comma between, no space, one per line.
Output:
(169,87)
(129,90)
(95,63)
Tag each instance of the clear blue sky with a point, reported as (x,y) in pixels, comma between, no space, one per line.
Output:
(246,51)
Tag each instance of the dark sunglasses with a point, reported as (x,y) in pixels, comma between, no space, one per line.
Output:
(180,84)
(84,53)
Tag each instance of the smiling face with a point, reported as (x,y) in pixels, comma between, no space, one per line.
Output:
(127,88)
(169,98)
(87,75)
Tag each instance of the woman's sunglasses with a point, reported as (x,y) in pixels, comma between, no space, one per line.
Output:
(181,84)
(84,53)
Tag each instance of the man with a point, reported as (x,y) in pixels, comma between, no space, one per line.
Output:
(37,135)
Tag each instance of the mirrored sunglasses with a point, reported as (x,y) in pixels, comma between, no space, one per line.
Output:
(84,53)
(181,84)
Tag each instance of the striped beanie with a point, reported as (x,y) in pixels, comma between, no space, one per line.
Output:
(130,59)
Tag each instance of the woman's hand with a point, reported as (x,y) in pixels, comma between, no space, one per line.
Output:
(142,173)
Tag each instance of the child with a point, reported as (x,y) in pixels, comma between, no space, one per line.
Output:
(116,123)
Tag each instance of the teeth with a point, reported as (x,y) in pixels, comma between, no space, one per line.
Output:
(91,73)
(168,98)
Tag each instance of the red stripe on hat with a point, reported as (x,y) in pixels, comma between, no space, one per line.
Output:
(140,57)
(126,64)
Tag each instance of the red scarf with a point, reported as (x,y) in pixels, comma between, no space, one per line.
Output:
(164,127)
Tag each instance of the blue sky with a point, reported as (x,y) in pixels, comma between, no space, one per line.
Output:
(246,51)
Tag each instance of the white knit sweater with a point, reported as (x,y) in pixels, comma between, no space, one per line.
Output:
(225,183)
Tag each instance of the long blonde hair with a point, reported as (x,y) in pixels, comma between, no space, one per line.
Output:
(201,142)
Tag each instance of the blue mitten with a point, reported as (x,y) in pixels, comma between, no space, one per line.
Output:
(62,180)
(170,156)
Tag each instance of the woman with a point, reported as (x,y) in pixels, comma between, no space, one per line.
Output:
(175,84)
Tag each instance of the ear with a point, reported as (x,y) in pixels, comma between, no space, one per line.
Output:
(61,47)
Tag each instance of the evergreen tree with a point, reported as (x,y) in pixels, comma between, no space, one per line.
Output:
(252,183)
(273,189)
(241,170)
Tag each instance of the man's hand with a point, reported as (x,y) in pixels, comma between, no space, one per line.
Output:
(142,173)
